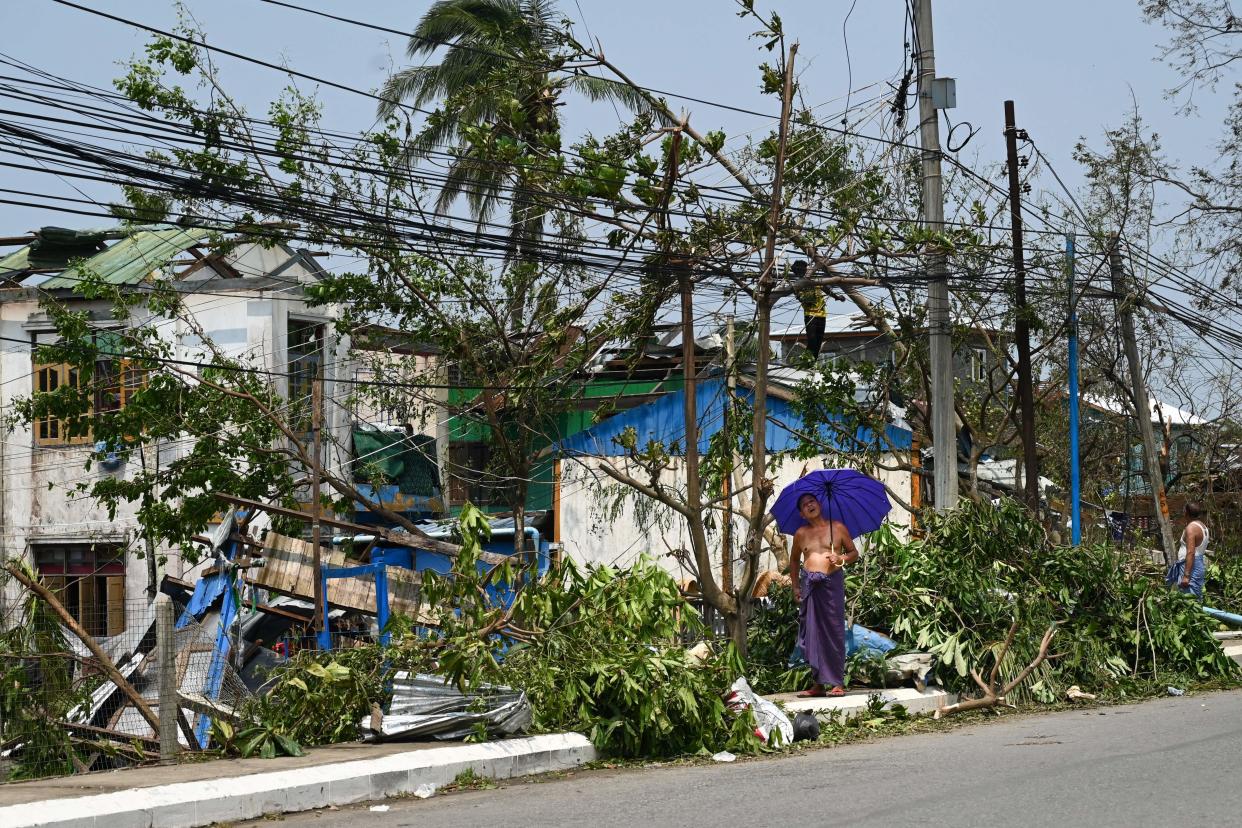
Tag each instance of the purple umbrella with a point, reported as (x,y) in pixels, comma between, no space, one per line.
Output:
(849,496)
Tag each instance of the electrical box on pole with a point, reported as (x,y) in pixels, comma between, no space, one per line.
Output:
(944,93)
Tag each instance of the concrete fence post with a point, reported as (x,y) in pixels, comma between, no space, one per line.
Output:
(167,656)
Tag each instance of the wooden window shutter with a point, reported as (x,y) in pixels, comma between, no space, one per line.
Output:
(116,604)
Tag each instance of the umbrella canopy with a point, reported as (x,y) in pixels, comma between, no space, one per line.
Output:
(849,496)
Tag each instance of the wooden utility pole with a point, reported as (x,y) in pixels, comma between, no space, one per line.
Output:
(1142,408)
(320,619)
(943,426)
(1022,325)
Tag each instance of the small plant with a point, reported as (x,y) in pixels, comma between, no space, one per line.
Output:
(468,780)
(253,739)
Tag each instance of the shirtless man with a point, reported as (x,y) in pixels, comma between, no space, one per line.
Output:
(820,549)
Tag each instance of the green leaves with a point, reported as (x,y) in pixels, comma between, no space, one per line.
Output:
(956,592)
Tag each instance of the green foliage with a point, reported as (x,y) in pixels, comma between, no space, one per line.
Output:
(772,634)
(37,690)
(611,664)
(316,698)
(1223,587)
(955,593)
(255,739)
(596,650)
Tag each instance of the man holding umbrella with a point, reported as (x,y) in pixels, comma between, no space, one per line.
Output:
(824,511)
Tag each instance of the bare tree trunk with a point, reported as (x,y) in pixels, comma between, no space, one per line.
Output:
(761,487)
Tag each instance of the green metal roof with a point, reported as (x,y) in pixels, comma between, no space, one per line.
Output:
(16,262)
(132,260)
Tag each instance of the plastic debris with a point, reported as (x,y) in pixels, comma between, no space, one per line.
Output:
(806,727)
(425,790)
(915,668)
(723,756)
(1176,691)
(768,716)
(379,809)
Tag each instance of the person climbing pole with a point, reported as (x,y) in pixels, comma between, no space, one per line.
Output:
(814,309)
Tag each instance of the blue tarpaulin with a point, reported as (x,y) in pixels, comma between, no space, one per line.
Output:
(664,421)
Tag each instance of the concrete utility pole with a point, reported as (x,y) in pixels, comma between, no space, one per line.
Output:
(1022,326)
(167,660)
(944,431)
(726,534)
(1142,408)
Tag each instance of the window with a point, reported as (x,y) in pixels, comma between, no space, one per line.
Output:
(89,580)
(978,364)
(304,349)
(51,430)
(112,386)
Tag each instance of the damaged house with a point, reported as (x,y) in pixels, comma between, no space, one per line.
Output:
(249,301)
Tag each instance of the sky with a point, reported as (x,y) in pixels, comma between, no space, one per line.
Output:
(1073,68)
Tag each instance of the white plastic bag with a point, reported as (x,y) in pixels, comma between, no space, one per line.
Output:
(767,715)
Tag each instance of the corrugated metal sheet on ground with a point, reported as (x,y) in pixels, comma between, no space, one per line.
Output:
(133,259)
(289,569)
(428,706)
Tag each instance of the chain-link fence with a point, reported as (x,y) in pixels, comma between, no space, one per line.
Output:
(86,676)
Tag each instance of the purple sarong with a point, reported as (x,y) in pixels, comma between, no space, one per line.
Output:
(821,626)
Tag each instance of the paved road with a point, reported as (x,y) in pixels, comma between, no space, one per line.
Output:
(1172,761)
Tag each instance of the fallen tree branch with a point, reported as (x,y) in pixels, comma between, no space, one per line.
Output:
(994,694)
(105,663)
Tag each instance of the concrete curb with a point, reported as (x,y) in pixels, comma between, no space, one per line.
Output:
(193,804)
(854,703)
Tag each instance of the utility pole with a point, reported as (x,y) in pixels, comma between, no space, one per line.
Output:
(321,620)
(1075,473)
(726,535)
(944,431)
(1142,408)
(1022,326)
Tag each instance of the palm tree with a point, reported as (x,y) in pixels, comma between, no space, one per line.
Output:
(500,73)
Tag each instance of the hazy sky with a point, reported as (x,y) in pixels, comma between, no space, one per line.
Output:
(1072,67)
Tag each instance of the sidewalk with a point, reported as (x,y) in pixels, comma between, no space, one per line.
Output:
(199,793)
(854,702)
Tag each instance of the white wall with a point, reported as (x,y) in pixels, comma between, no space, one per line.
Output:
(590,533)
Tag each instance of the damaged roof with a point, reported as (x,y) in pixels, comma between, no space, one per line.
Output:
(134,259)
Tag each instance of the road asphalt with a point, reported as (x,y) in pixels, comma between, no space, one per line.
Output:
(1164,762)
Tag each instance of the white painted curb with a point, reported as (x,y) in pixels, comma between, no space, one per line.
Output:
(854,704)
(193,804)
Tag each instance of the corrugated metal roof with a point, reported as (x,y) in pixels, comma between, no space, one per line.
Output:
(15,262)
(132,260)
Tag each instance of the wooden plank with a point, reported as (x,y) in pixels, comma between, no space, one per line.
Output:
(115,735)
(290,571)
